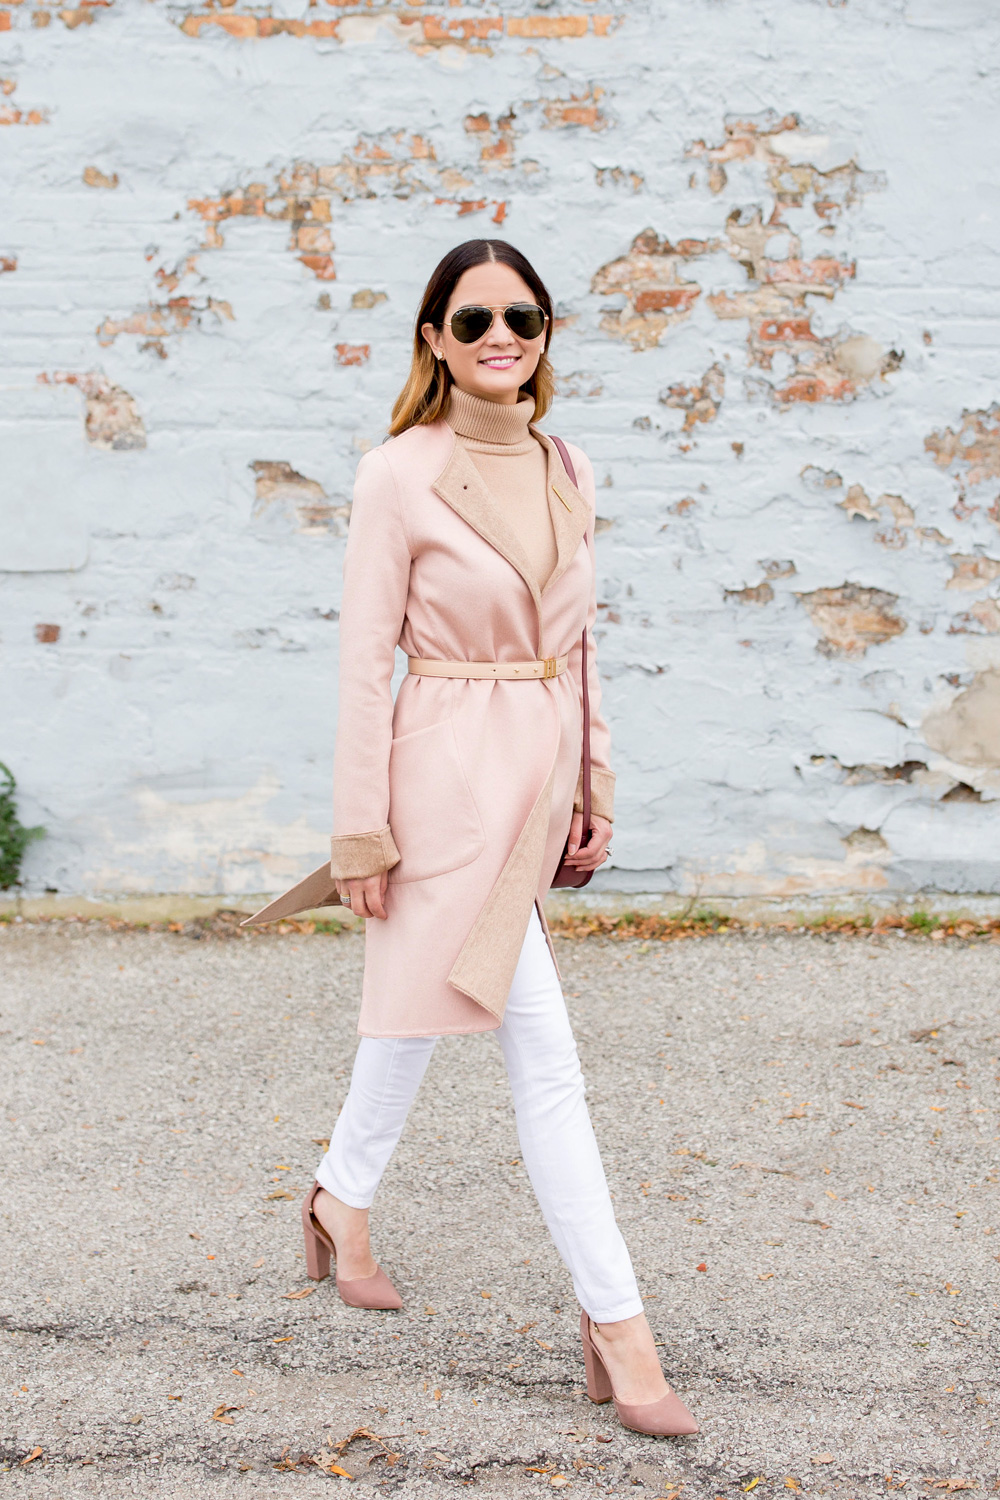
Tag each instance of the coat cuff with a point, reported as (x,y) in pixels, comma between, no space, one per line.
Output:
(356,856)
(602,793)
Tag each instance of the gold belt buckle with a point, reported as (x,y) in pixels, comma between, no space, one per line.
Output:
(549,664)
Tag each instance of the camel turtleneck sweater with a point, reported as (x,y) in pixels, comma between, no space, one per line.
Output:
(514,468)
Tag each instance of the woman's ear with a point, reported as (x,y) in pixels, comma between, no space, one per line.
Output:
(432,336)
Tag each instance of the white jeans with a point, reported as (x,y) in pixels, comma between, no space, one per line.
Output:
(553,1126)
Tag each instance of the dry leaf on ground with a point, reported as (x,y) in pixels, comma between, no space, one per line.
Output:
(305,1291)
(373,1437)
(221,1414)
(30,1459)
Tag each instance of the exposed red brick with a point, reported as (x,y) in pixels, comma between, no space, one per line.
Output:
(47,635)
(785,330)
(353,354)
(579,383)
(432,29)
(983,618)
(367,297)
(277,26)
(321,266)
(759,593)
(81,15)
(161,320)
(659,298)
(438,30)
(40,13)
(835,367)
(11,114)
(498,150)
(111,418)
(8,263)
(851,618)
(824,271)
(95,178)
(547,26)
(791,185)
(972,572)
(974,449)
(281,489)
(605,176)
(811,388)
(700,402)
(235,25)
(657,295)
(474,205)
(578,109)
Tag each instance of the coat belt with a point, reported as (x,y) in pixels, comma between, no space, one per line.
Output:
(550,666)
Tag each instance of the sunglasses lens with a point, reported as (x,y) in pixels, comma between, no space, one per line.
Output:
(470,323)
(525,320)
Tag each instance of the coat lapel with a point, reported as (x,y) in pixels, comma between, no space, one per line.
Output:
(569,510)
(461,486)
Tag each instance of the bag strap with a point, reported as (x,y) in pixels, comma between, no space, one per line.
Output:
(568,466)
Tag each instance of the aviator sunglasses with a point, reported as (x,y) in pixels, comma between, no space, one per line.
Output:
(524,319)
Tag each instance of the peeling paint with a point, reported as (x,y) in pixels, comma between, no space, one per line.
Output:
(701,402)
(967,731)
(973,451)
(13,113)
(281,491)
(111,417)
(774,336)
(851,618)
(651,279)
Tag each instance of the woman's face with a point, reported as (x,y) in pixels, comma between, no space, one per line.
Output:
(496,365)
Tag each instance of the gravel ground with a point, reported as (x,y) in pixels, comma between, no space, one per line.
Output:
(800,1133)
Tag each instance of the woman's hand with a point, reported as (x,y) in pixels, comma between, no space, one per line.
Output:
(594,853)
(366,897)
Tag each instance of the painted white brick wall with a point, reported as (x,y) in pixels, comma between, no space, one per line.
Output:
(770,227)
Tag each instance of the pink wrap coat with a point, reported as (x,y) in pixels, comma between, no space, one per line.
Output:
(463,789)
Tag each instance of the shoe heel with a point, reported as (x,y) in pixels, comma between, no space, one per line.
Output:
(317,1253)
(317,1258)
(598,1380)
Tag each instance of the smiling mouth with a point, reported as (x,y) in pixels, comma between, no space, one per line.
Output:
(500,361)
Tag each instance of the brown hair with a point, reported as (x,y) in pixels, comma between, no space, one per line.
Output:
(424,397)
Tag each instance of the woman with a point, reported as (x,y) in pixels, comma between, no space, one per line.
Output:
(471,547)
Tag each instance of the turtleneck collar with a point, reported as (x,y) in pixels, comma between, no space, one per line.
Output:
(491,424)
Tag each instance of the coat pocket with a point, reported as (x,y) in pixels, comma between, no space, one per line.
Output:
(432,812)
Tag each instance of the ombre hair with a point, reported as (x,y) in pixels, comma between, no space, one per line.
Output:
(424,397)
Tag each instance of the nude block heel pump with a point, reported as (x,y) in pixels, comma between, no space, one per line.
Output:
(599,1387)
(317,1250)
(375,1291)
(667,1417)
